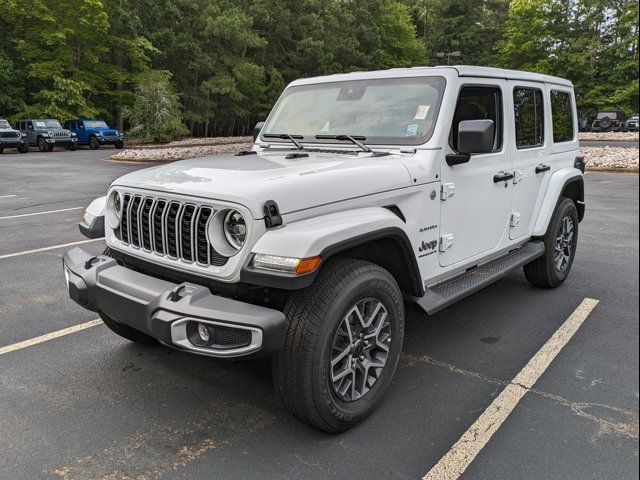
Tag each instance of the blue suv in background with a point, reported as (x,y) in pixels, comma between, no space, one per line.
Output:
(95,133)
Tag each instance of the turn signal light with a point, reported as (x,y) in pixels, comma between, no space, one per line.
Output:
(307,265)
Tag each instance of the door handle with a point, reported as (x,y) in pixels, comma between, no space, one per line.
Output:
(542,168)
(502,176)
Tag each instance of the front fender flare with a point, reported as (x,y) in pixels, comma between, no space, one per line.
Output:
(92,225)
(559,180)
(326,236)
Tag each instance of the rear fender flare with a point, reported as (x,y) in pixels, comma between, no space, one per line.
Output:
(557,185)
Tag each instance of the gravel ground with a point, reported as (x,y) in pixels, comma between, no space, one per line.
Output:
(210,141)
(609,136)
(610,157)
(178,153)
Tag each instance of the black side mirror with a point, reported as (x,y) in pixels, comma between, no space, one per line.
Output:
(474,136)
(256,130)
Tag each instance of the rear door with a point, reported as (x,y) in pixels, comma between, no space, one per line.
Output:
(529,153)
(475,208)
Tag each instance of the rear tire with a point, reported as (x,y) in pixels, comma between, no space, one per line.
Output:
(552,268)
(127,332)
(332,370)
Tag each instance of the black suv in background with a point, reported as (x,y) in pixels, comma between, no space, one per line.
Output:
(609,121)
(47,134)
(10,138)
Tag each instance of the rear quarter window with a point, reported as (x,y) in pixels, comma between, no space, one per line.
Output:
(562,116)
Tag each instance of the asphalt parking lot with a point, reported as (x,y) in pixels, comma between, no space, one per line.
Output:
(90,405)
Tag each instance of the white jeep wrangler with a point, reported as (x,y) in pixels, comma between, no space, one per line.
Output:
(362,191)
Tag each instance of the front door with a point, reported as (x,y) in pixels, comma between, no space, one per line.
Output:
(475,203)
(529,151)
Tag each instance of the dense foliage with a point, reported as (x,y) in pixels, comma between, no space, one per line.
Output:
(229,59)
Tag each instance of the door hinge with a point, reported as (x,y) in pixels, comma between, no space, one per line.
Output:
(515,219)
(446,242)
(518,175)
(447,190)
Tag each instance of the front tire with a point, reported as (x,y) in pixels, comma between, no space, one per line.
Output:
(94,144)
(119,145)
(43,146)
(24,148)
(343,342)
(560,241)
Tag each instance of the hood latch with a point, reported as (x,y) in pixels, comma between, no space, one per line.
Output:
(272,216)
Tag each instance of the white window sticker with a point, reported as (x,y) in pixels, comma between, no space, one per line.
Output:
(421,112)
(412,130)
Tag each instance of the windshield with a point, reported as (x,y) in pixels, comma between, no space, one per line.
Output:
(635,116)
(612,115)
(395,111)
(95,124)
(47,123)
(4,124)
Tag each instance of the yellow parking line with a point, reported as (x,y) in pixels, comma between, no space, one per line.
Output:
(52,247)
(49,336)
(454,463)
(41,213)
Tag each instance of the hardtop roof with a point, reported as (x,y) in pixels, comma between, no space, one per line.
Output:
(458,70)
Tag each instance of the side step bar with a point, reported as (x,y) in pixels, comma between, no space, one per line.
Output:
(450,291)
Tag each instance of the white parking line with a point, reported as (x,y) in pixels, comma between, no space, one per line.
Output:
(41,213)
(7,196)
(49,336)
(454,463)
(52,247)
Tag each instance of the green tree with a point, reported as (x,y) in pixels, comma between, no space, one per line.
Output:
(155,114)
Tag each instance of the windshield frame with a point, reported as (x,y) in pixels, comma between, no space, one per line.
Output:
(370,140)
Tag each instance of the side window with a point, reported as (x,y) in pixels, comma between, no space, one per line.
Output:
(529,117)
(478,103)
(561,116)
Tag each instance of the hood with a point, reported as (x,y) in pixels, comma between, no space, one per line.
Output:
(294,184)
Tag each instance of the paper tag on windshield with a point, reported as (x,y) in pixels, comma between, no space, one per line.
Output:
(412,130)
(421,112)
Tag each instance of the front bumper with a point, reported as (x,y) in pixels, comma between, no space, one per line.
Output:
(12,142)
(61,140)
(109,140)
(168,311)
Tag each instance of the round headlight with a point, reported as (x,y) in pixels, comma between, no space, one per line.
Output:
(227,232)
(114,209)
(235,229)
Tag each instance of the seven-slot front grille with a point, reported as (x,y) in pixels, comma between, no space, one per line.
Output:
(60,134)
(10,135)
(173,229)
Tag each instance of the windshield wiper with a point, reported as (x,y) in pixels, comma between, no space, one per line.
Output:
(353,139)
(286,136)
